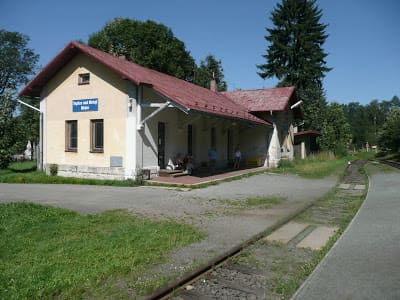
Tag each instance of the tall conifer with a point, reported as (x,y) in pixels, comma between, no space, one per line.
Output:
(295,55)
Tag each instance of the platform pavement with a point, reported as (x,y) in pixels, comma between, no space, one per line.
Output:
(365,261)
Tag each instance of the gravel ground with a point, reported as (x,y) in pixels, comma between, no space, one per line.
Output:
(271,270)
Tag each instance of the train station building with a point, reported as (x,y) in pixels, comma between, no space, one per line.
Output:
(106,117)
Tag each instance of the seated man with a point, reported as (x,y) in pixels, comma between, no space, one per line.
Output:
(189,165)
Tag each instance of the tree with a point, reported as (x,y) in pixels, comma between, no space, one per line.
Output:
(356,116)
(27,125)
(389,135)
(295,55)
(366,121)
(335,131)
(17,63)
(7,130)
(149,44)
(314,106)
(209,69)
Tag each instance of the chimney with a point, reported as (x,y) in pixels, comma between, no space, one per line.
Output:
(213,83)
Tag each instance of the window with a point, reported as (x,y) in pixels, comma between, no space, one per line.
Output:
(71,136)
(84,78)
(97,135)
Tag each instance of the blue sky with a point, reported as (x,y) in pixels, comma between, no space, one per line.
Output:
(363,42)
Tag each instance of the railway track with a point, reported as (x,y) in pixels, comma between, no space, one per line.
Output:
(249,271)
(391,163)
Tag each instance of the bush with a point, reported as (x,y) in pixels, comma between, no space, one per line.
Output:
(284,163)
(53,169)
(5,158)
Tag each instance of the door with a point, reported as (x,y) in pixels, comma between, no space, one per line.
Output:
(161,145)
(229,143)
(190,140)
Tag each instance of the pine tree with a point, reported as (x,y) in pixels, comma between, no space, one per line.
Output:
(295,55)
(210,68)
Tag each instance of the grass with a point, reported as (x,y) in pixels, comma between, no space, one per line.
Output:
(346,206)
(23,166)
(25,172)
(259,202)
(48,252)
(320,165)
(314,167)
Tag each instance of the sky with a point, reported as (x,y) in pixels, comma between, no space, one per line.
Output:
(363,45)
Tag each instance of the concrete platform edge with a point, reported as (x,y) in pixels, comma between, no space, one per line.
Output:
(323,261)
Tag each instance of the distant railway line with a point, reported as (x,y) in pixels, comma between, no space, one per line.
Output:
(391,163)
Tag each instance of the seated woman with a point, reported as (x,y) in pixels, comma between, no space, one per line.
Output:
(179,162)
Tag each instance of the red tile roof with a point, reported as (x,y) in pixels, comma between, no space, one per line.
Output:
(179,91)
(276,99)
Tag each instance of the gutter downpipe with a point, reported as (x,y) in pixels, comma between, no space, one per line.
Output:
(40,162)
(139,125)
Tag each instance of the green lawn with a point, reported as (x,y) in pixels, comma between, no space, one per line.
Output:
(48,252)
(25,172)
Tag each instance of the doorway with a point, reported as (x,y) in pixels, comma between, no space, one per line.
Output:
(161,145)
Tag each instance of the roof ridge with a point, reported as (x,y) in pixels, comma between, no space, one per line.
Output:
(182,92)
(260,89)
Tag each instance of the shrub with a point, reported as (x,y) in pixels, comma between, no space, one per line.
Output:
(285,163)
(53,169)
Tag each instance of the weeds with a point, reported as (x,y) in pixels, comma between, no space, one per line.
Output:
(259,202)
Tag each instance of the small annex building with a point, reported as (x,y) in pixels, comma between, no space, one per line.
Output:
(105,117)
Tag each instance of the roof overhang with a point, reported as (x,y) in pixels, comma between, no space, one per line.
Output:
(143,76)
(308,133)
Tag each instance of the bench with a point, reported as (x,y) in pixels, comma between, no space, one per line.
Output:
(253,161)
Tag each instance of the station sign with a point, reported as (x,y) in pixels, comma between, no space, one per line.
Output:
(82,105)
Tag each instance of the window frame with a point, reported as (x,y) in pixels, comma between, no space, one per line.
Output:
(83,78)
(68,136)
(95,147)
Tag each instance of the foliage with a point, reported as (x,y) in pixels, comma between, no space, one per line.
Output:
(7,129)
(11,175)
(55,253)
(53,169)
(314,106)
(295,55)
(27,125)
(335,131)
(366,121)
(17,63)
(315,166)
(210,69)
(389,135)
(284,163)
(23,166)
(146,43)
